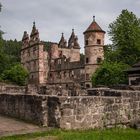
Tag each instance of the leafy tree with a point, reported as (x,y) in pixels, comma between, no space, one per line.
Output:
(125,35)
(110,74)
(16,74)
(1,32)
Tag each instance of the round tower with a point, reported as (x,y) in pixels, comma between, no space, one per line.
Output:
(94,52)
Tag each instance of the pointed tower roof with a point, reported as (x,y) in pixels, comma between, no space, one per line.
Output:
(72,35)
(62,42)
(71,39)
(25,36)
(62,38)
(34,30)
(94,27)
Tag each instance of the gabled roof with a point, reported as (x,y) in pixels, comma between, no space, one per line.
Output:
(94,27)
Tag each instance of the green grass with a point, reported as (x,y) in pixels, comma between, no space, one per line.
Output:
(113,134)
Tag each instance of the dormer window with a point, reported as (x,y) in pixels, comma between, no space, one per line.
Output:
(98,41)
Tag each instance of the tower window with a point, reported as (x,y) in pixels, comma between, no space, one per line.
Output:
(99,60)
(98,41)
(87,60)
(86,42)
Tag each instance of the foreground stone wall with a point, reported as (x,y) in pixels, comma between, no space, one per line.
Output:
(31,108)
(94,112)
(107,108)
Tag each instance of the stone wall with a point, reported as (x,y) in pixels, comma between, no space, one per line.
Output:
(5,88)
(95,112)
(106,108)
(31,108)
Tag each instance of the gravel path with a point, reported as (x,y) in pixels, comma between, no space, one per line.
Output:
(10,126)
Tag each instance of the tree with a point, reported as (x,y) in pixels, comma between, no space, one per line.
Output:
(125,35)
(1,32)
(110,74)
(16,74)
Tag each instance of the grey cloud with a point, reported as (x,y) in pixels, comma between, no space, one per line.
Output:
(55,16)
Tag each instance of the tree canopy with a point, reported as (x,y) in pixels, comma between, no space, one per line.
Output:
(125,36)
(16,74)
(122,53)
(110,74)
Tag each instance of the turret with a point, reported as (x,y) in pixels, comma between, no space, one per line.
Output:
(62,42)
(34,36)
(94,52)
(73,41)
(25,40)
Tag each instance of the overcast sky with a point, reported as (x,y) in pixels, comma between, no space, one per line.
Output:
(53,17)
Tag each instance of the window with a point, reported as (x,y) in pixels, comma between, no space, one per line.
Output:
(87,77)
(99,60)
(32,77)
(65,74)
(87,60)
(86,42)
(98,41)
(72,73)
(87,86)
(50,75)
(59,61)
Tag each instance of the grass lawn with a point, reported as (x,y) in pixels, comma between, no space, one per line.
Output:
(56,134)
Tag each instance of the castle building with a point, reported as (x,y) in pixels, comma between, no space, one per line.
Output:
(62,63)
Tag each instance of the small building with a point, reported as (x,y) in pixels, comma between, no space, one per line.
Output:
(134,74)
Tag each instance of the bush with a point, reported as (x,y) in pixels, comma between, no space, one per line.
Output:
(110,74)
(16,74)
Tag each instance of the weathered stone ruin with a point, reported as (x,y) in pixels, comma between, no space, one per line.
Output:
(61,64)
(59,92)
(96,108)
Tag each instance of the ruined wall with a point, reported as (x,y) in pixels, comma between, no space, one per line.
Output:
(117,108)
(107,108)
(7,88)
(31,108)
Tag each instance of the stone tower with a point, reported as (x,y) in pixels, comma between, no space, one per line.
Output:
(33,57)
(94,51)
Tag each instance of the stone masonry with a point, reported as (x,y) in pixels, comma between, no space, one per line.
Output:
(61,64)
(103,108)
